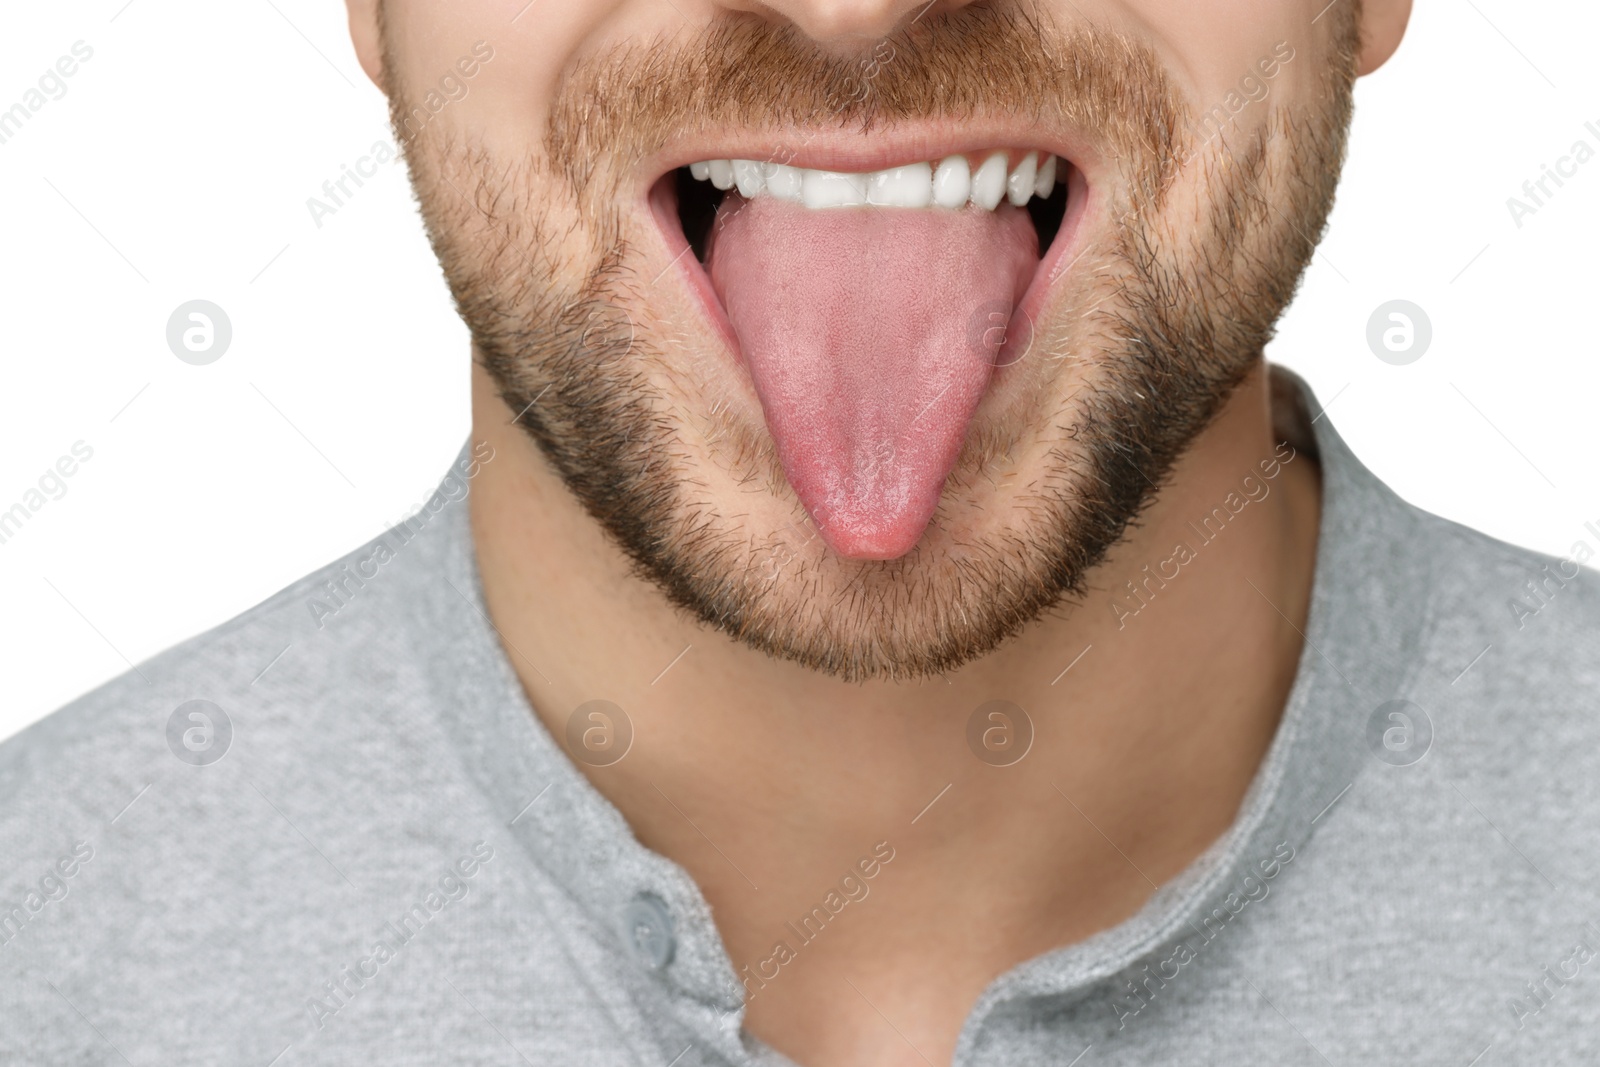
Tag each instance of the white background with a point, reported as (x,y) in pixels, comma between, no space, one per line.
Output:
(178,165)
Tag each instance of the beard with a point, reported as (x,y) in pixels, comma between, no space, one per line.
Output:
(1146,335)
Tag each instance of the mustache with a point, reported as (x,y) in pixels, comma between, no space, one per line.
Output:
(741,71)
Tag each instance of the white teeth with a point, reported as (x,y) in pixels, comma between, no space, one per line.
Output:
(1045,183)
(989,184)
(1019,187)
(902,187)
(785,182)
(828,188)
(951,183)
(748,177)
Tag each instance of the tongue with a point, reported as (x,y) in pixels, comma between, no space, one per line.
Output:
(870,334)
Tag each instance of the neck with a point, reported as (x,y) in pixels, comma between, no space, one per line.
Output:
(1151,704)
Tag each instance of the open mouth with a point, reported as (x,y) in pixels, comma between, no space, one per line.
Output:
(873,310)
(952,183)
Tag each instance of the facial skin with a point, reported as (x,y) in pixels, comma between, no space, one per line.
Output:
(1161,290)
(641,508)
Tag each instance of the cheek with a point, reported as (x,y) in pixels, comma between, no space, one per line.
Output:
(1211,47)
(532,48)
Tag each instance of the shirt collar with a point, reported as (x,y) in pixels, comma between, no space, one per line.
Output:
(1359,640)
(642,909)
(1360,643)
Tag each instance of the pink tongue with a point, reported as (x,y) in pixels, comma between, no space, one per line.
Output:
(870,334)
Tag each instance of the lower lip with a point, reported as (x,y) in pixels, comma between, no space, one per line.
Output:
(663,203)
(1057,258)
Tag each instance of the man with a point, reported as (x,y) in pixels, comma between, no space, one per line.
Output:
(887,612)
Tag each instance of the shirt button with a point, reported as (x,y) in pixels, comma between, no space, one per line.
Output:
(647,925)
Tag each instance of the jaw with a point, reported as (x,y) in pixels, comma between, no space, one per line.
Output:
(1143,306)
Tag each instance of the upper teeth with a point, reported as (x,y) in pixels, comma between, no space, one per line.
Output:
(951,183)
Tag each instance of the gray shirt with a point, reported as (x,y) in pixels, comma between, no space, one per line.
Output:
(331,831)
